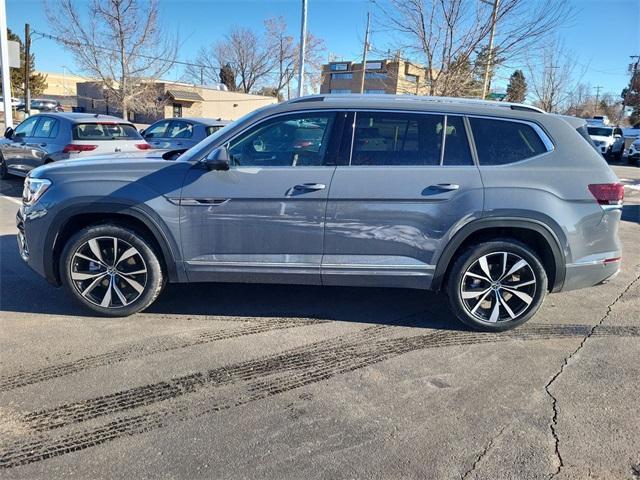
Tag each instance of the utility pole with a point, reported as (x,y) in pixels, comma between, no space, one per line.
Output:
(303,46)
(598,88)
(4,62)
(364,53)
(494,15)
(27,67)
(634,72)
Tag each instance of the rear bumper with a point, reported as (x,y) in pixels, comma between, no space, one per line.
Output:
(583,275)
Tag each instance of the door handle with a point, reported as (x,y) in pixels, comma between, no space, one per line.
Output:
(310,186)
(447,187)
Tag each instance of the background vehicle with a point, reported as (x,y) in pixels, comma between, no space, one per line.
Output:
(178,133)
(633,154)
(472,198)
(598,120)
(46,138)
(609,140)
(42,105)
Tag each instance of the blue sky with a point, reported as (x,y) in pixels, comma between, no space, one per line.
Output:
(602,35)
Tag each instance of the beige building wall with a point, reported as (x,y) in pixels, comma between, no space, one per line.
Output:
(61,84)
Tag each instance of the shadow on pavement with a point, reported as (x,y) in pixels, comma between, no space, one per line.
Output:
(22,290)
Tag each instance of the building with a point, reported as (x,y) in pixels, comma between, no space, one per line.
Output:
(392,76)
(171,99)
(61,87)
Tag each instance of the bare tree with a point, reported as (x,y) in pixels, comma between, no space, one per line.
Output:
(446,35)
(553,77)
(118,42)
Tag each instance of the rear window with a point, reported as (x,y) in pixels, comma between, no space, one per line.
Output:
(105,131)
(500,142)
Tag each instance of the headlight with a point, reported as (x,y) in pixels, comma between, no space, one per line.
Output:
(34,188)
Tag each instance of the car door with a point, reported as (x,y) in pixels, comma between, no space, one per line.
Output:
(263,219)
(41,142)
(16,152)
(406,182)
(179,134)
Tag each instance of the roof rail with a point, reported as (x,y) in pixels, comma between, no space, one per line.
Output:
(416,98)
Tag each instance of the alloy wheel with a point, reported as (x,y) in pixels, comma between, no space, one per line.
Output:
(498,287)
(108,272)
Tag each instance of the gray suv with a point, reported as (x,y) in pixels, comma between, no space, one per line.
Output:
(495,204)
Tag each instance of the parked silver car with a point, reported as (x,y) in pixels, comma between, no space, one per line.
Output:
(495,204)
(49,137)
(181,133)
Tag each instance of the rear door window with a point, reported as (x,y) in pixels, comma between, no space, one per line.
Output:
(47,128)
(456,144)
(396,139)
(180,129)
(105,131)
(499,142)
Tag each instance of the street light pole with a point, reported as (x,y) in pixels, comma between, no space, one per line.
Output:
(494,14)
(4,62)
(364,53)
(303,46)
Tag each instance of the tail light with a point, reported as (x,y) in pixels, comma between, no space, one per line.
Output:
(143,146)
(73,147)
(607,193)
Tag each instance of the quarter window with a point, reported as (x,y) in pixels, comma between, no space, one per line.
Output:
(397,139)
(295,140)
(499,142)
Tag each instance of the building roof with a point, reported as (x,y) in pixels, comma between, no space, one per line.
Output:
(184,95)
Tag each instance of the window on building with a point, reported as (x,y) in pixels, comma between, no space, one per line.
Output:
(377,91)
(341,76)
(296,140)
(337,67)
(373,65)
(397,139)
(456,144)
(177,110)
(340,90)
(411,78)
(499,141)
(375,75)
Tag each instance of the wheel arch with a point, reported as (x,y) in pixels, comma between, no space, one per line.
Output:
(538,235)
(70,220)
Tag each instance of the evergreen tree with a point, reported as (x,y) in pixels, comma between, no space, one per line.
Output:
(517,88)
(37,81)
(228,77)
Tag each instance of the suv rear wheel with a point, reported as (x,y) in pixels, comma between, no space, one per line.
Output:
(496,285)
(112,270)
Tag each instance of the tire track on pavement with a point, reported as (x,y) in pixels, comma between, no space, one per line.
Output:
(245,382)
(149,347)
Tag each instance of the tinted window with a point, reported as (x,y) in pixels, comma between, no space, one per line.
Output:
(296,140)
(180,129)
(585,134)
(26,127)
(157,130)
(47,128)
(499,142)
(456,145)
(104,131)
(397,139)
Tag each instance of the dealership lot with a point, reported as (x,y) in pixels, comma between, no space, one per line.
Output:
(255,381)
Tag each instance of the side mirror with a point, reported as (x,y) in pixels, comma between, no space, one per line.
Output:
(218,159)
(8,133)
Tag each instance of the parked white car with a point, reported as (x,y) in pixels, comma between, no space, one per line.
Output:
(598,120)
(609,140)
(633,154)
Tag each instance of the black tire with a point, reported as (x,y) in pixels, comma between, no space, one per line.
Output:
(464,274)
(4,173)
(128,290)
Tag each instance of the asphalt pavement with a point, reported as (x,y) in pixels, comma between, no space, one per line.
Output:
(291,382)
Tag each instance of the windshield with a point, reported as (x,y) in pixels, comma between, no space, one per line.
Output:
(200,149)
(105,131)
(600,131)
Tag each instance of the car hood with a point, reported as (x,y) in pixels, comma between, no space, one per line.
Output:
(600,138)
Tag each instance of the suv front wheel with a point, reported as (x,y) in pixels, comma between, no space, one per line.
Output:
(496,285)
(112,270)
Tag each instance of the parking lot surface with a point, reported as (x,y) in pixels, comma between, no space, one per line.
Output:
(290,382)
